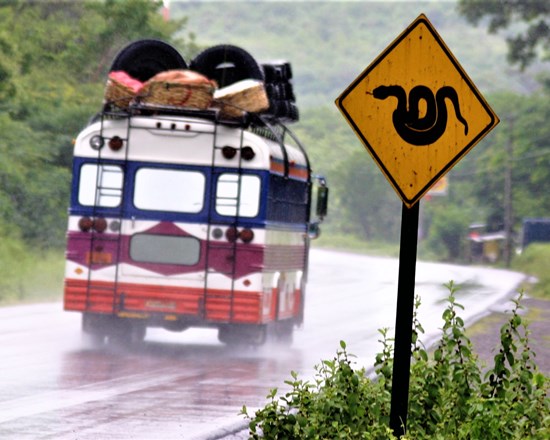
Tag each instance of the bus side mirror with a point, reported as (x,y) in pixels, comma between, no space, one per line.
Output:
(313,231)
(321,207)
(322,202)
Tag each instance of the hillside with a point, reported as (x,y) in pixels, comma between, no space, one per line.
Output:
(329,43)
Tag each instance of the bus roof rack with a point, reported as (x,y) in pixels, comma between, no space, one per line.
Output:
(211,114)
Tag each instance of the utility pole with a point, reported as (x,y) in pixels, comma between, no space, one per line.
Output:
(508,211)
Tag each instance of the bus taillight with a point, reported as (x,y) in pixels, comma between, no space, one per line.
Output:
(231,234)
(229,152)
(85,224)
(246,235)
(115,143)
(100,224)
(247,153)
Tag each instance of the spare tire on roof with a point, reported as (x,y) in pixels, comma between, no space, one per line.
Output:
(143,59)
(227,64)
(276,71)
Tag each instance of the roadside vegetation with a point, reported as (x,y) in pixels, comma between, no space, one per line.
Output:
(534,262)
(452,394)
(26,277)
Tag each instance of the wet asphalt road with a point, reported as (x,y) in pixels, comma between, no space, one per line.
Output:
(189,386)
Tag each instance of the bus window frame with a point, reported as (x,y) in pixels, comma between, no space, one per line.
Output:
(93,192)
(159,240)
(159,167)
(237,208)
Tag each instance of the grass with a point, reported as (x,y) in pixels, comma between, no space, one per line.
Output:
(534,261)
(351,243)
(32,277)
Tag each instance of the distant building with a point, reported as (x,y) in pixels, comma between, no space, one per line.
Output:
(535,230)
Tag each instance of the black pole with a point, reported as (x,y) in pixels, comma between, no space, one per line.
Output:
(404,319)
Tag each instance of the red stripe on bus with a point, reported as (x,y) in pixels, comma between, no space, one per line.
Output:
(293,171)
(218,305)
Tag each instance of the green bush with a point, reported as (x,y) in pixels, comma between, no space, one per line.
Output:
(28,274)
(533,261)
(452,396)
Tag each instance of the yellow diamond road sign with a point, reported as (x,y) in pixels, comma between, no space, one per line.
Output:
(416,111)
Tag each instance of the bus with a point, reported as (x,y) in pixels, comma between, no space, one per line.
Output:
(179,218)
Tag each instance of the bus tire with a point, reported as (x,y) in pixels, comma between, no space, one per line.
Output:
(93,333)
(242,334)
(93,340)
(277,71)
(227,64)
(126,333)
(143,59)
(282,332)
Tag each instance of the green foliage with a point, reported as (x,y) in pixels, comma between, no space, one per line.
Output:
(326,58)
(476,186)
(524,47)
(341,404)
(331,42)
(12,252)
(451,396)
(367,203)
(28,274)
(53,59)
(448,231)
(534,261)
(352,243)
(524,133)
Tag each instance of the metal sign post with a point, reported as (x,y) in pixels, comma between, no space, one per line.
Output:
(404,319)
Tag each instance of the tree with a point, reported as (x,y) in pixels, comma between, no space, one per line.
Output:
(448,231)
(366,203)
(54,57)
(532,37)
(80,39)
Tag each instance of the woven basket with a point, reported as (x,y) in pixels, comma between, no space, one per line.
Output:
(175,94)
(243,96)
(118,94)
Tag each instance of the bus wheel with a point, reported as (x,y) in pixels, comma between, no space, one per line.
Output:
(127,333)
(137,333)
(282,332)
(93,332)
(243,335)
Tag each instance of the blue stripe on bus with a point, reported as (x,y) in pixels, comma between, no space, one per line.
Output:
(277,211)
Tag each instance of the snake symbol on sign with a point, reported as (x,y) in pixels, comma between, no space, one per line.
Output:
(412,128)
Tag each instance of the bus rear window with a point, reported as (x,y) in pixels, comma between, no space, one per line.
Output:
(158,189)
(100,185)
(165,249)
(227,195)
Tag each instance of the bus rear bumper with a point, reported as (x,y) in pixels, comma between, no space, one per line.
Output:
(164,304)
